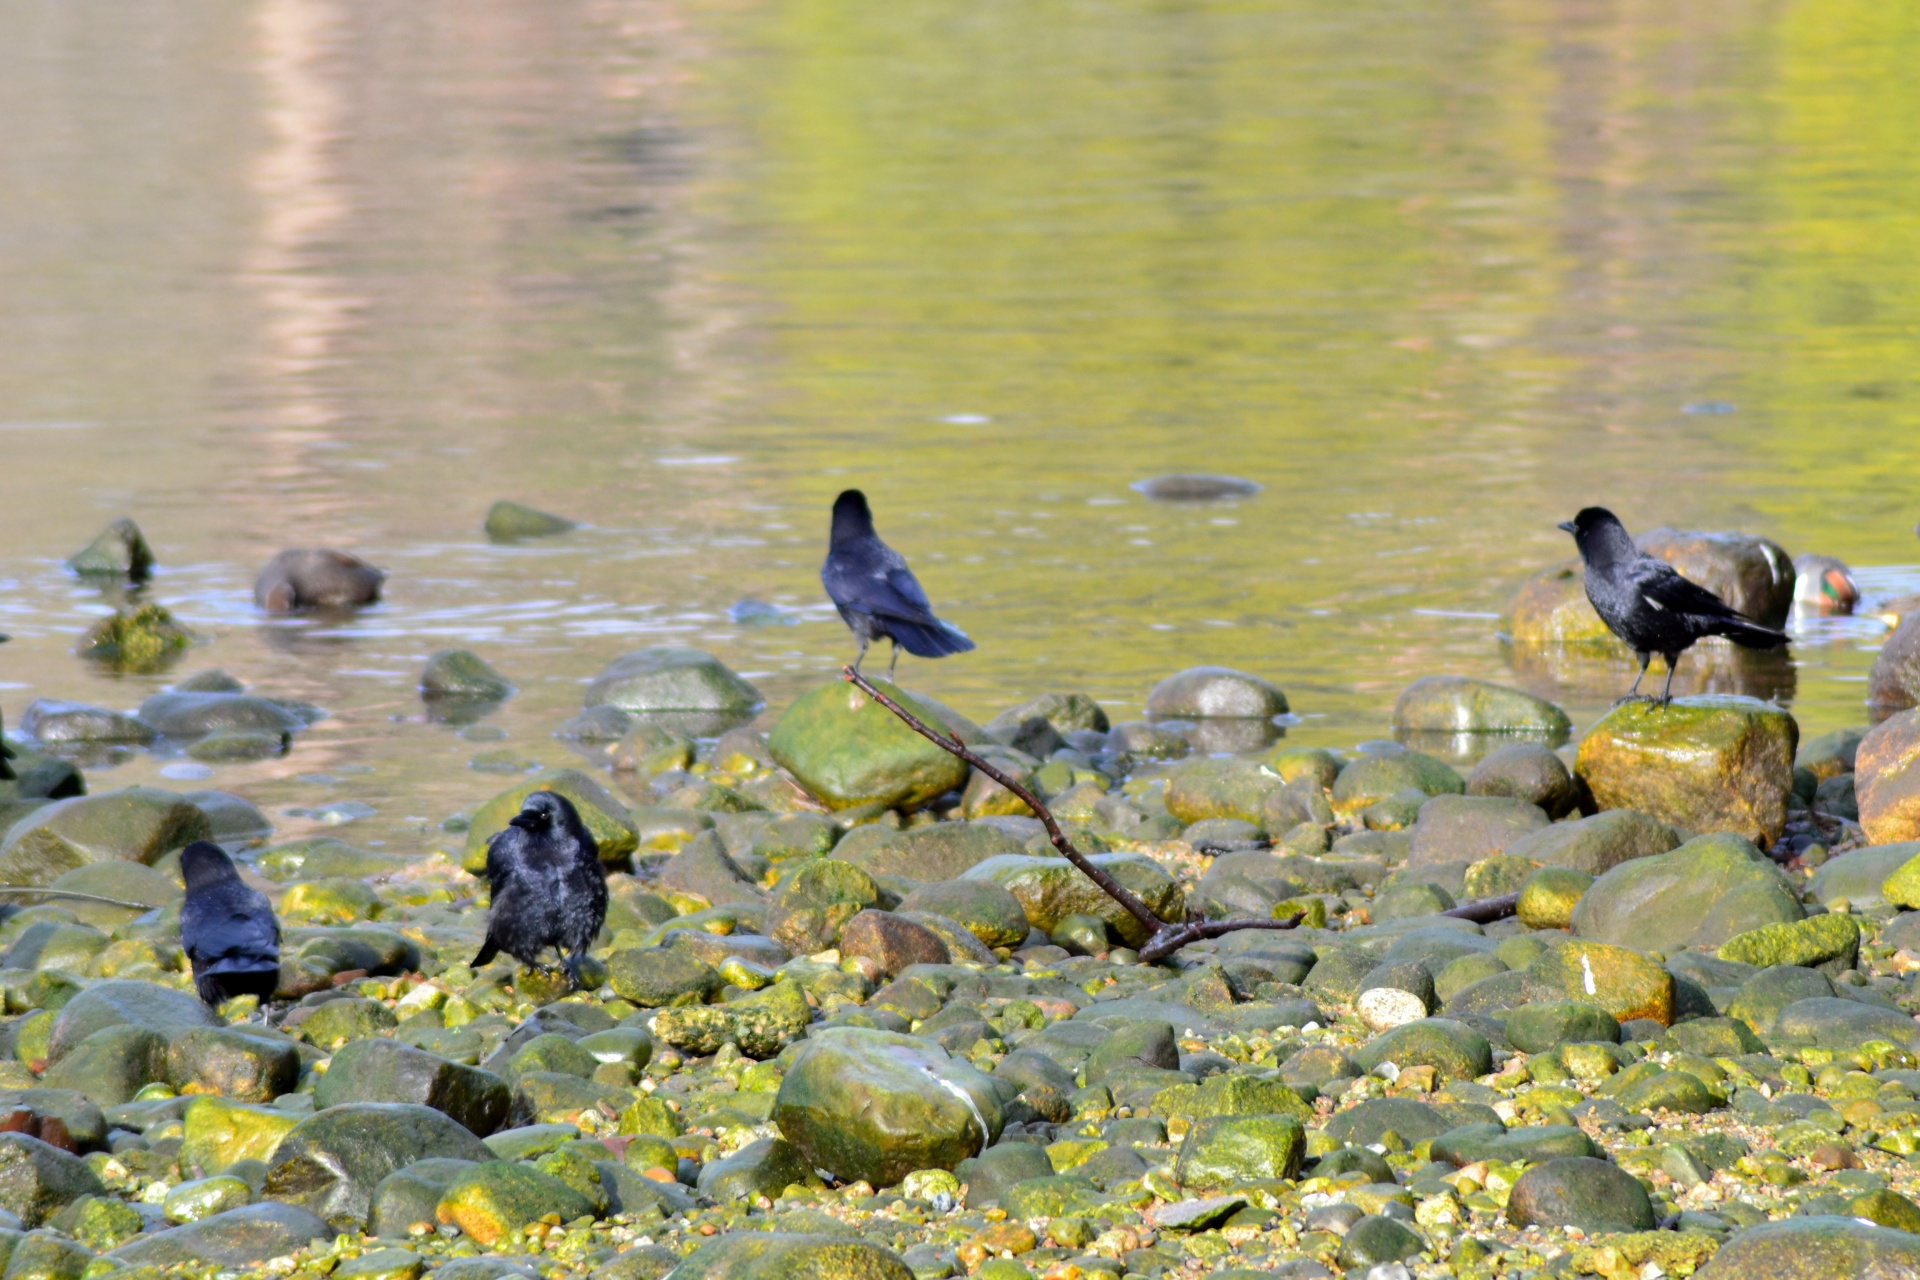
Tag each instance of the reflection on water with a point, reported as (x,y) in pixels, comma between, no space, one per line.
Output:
(1433,276)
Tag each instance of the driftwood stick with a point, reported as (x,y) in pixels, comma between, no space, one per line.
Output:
(30,891)
(1165,936)
(1486,910)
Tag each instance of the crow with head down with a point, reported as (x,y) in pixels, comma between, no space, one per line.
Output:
(548,887)
(227,928)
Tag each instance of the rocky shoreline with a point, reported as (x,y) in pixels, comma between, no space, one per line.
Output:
(852,1016)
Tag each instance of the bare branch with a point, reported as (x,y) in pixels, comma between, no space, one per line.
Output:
(1486,910)
(1166,937)
(29,891)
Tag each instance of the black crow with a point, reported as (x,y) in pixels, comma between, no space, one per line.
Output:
(876,594)
(548,886)
(1650,606)
(228,929)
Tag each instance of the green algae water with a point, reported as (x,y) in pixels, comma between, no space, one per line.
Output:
(319,273)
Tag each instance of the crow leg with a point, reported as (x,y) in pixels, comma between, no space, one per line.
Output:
(893,662)
(861,656)
(1646,659)
(1666,694)
(572,965)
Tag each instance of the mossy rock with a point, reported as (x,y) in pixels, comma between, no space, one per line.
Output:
(1702,764)
(220,1133)
(847,750)
(1699,895)
(331,1162)
(1373,778)
(1624,983)
(1814,1248)
(1051,889)
(1221,1152)
(780,1256)
(509,522)
(1809,943)
(139,641)
(118,551)
(496,1198)
(607,819)
(1548,897)
(465,675)
(1459,704)
(135,824)
(1551,608)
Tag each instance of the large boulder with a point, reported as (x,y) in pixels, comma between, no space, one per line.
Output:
(1468,828)
(1051,889)
(1459,704)
(1894,682)
(244,1237)
(771,1255)
(940,851)
(1699,895)
(330,1163)
(381,1070)
(609,821)
(1754,575)
(38,1180)
(127,1002)
(848,750)
(1886,780)
(669,679)
(1215,693)
(874,1105)
(134,824)
(1712,763)
(1596,844)
(1816,1248)
(1623,983)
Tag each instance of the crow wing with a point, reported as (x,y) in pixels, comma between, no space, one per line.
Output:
(1656,582)
(234,931)
(876,580)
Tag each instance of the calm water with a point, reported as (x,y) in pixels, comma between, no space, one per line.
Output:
(318,272)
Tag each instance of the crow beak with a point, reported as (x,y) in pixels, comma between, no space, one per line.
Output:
(1567,526)
(526,820)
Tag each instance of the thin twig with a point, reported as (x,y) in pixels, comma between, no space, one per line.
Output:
(1165,936)
(30,891)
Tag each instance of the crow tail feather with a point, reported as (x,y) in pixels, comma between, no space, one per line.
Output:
(1750,635)
(932,639)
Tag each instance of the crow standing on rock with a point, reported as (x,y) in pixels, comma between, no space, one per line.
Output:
(549,889)
(877,595)
(1650,606)
(227,928)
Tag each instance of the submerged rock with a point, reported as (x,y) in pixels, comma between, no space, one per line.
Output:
(464,675)
(667,678)
(137,641)
(1204,693)
(1457,704)
(1194,487)
(118,551)
(508,521)
(51,721)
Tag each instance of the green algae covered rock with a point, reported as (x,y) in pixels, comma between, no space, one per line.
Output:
(606,817)
(763,1168)
(760,1025)
(1454,1050)
(237,1238)
(331,1162)
(1458,704)
(669,678)
(1580,1191)
(1373,778)
(462,674)
(940,851)
(1700,895)
(1231,1095)
(1815,1248)
(37,1180)
(1534,1144)
(1536,1028)
(847,750)
(660,977)
(1051,889)
(1220,1152)
(220,1133)
(497,1197)
(137,641)
(118,551)
(1703,764)
(380,1070)
(1551,608)
(1548,897)
(984,909)
(1808,943)
(1210,788)
(1624,983)
(874,1105)
(134,824)
(125,1001)
(783,1256)
(509,522)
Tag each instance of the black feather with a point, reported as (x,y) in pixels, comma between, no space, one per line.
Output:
(877,595)
(1645,602)
(549,890)
(227,929)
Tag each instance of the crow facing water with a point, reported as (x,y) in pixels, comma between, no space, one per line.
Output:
(548,886)
(227,928)
(1649,605)
(877,595)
